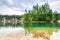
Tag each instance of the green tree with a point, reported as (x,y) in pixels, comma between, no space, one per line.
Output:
(39,13)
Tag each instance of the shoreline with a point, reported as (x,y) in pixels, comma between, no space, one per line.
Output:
(21,37)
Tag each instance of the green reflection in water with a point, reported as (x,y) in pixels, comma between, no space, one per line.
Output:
(42,27)
(35,27)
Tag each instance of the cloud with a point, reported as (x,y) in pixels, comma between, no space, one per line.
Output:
(7,8)
(17,7)
(10,1)
(55,5)
(53,0)
(4,10)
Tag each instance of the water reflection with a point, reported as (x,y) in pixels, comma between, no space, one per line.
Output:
(42,24)
(55,35)
(11,29)
(10,24)
(42,27)
(34,28)
(4,31)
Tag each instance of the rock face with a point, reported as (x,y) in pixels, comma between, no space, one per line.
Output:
(55,36)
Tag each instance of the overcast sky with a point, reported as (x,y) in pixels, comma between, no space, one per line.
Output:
(17,7)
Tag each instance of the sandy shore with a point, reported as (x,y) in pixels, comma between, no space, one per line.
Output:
(20,37)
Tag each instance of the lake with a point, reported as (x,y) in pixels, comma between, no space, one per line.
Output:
(37,29)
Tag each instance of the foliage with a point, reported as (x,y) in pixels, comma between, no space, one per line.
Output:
(39,13)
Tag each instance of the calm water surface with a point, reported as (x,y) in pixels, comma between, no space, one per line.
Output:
(33,26)
(21,29)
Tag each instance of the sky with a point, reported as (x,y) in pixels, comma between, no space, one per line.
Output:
(17,7)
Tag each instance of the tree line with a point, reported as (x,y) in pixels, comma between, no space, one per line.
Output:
(10,16)
(41,14)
